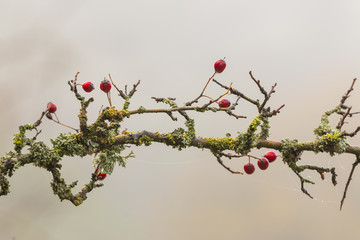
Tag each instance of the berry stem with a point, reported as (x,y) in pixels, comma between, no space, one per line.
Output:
(207,84)
(109,98)
(58,122)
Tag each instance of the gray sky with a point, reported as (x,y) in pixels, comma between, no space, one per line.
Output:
(309,48)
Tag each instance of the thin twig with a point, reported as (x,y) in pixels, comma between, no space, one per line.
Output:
(342,120)
(226,167)
(302,181)
(276,111)
(229,155)
(349,180)
(112,82)
(353,133)
(262,90)
(237,93)
(347,94)
(202,92)
(58,122)
(131,93)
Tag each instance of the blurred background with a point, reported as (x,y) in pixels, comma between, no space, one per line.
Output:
(309,48)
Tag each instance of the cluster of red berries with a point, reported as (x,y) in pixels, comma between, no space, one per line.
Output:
(105,86)
(219,67)
(263,162)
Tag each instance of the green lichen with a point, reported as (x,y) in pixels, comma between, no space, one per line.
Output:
(43,156)
(141,109)
(20,139)
(180,138)
(328,139)
(245,141)
(107,160)
(221,144)
(146,140)
(200,109)
(169,102)
(190,124)
(112,115)
(126,103)
(72,144)
(290,151)
(333,142)
(265,128)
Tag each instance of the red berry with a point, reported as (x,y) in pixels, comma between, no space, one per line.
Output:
(105,85)
(100,176)
(219,66)
(263,163)
(224,103)
(51,107)
(249,168)
(271,156)
(88,86)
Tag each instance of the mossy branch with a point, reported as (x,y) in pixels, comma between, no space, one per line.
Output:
(104,140)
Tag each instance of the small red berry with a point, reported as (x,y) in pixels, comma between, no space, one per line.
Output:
(224,103)
(249,168)
(100,176)
(271,156)
(105,85)
(51,107)
(88,86)
(220,66)
(263,163)
(322,175)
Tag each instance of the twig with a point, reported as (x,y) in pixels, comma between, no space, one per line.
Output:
(262,90)
(237,93)
(112,82)
(235,115)
(276,111)
(349,180)
(342,120)
(353,133)
(261,106)
(218,158)
(37,134)
(202,92)
(302,181)
(58,121)
(131,93)
(229,155)
(347,94)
